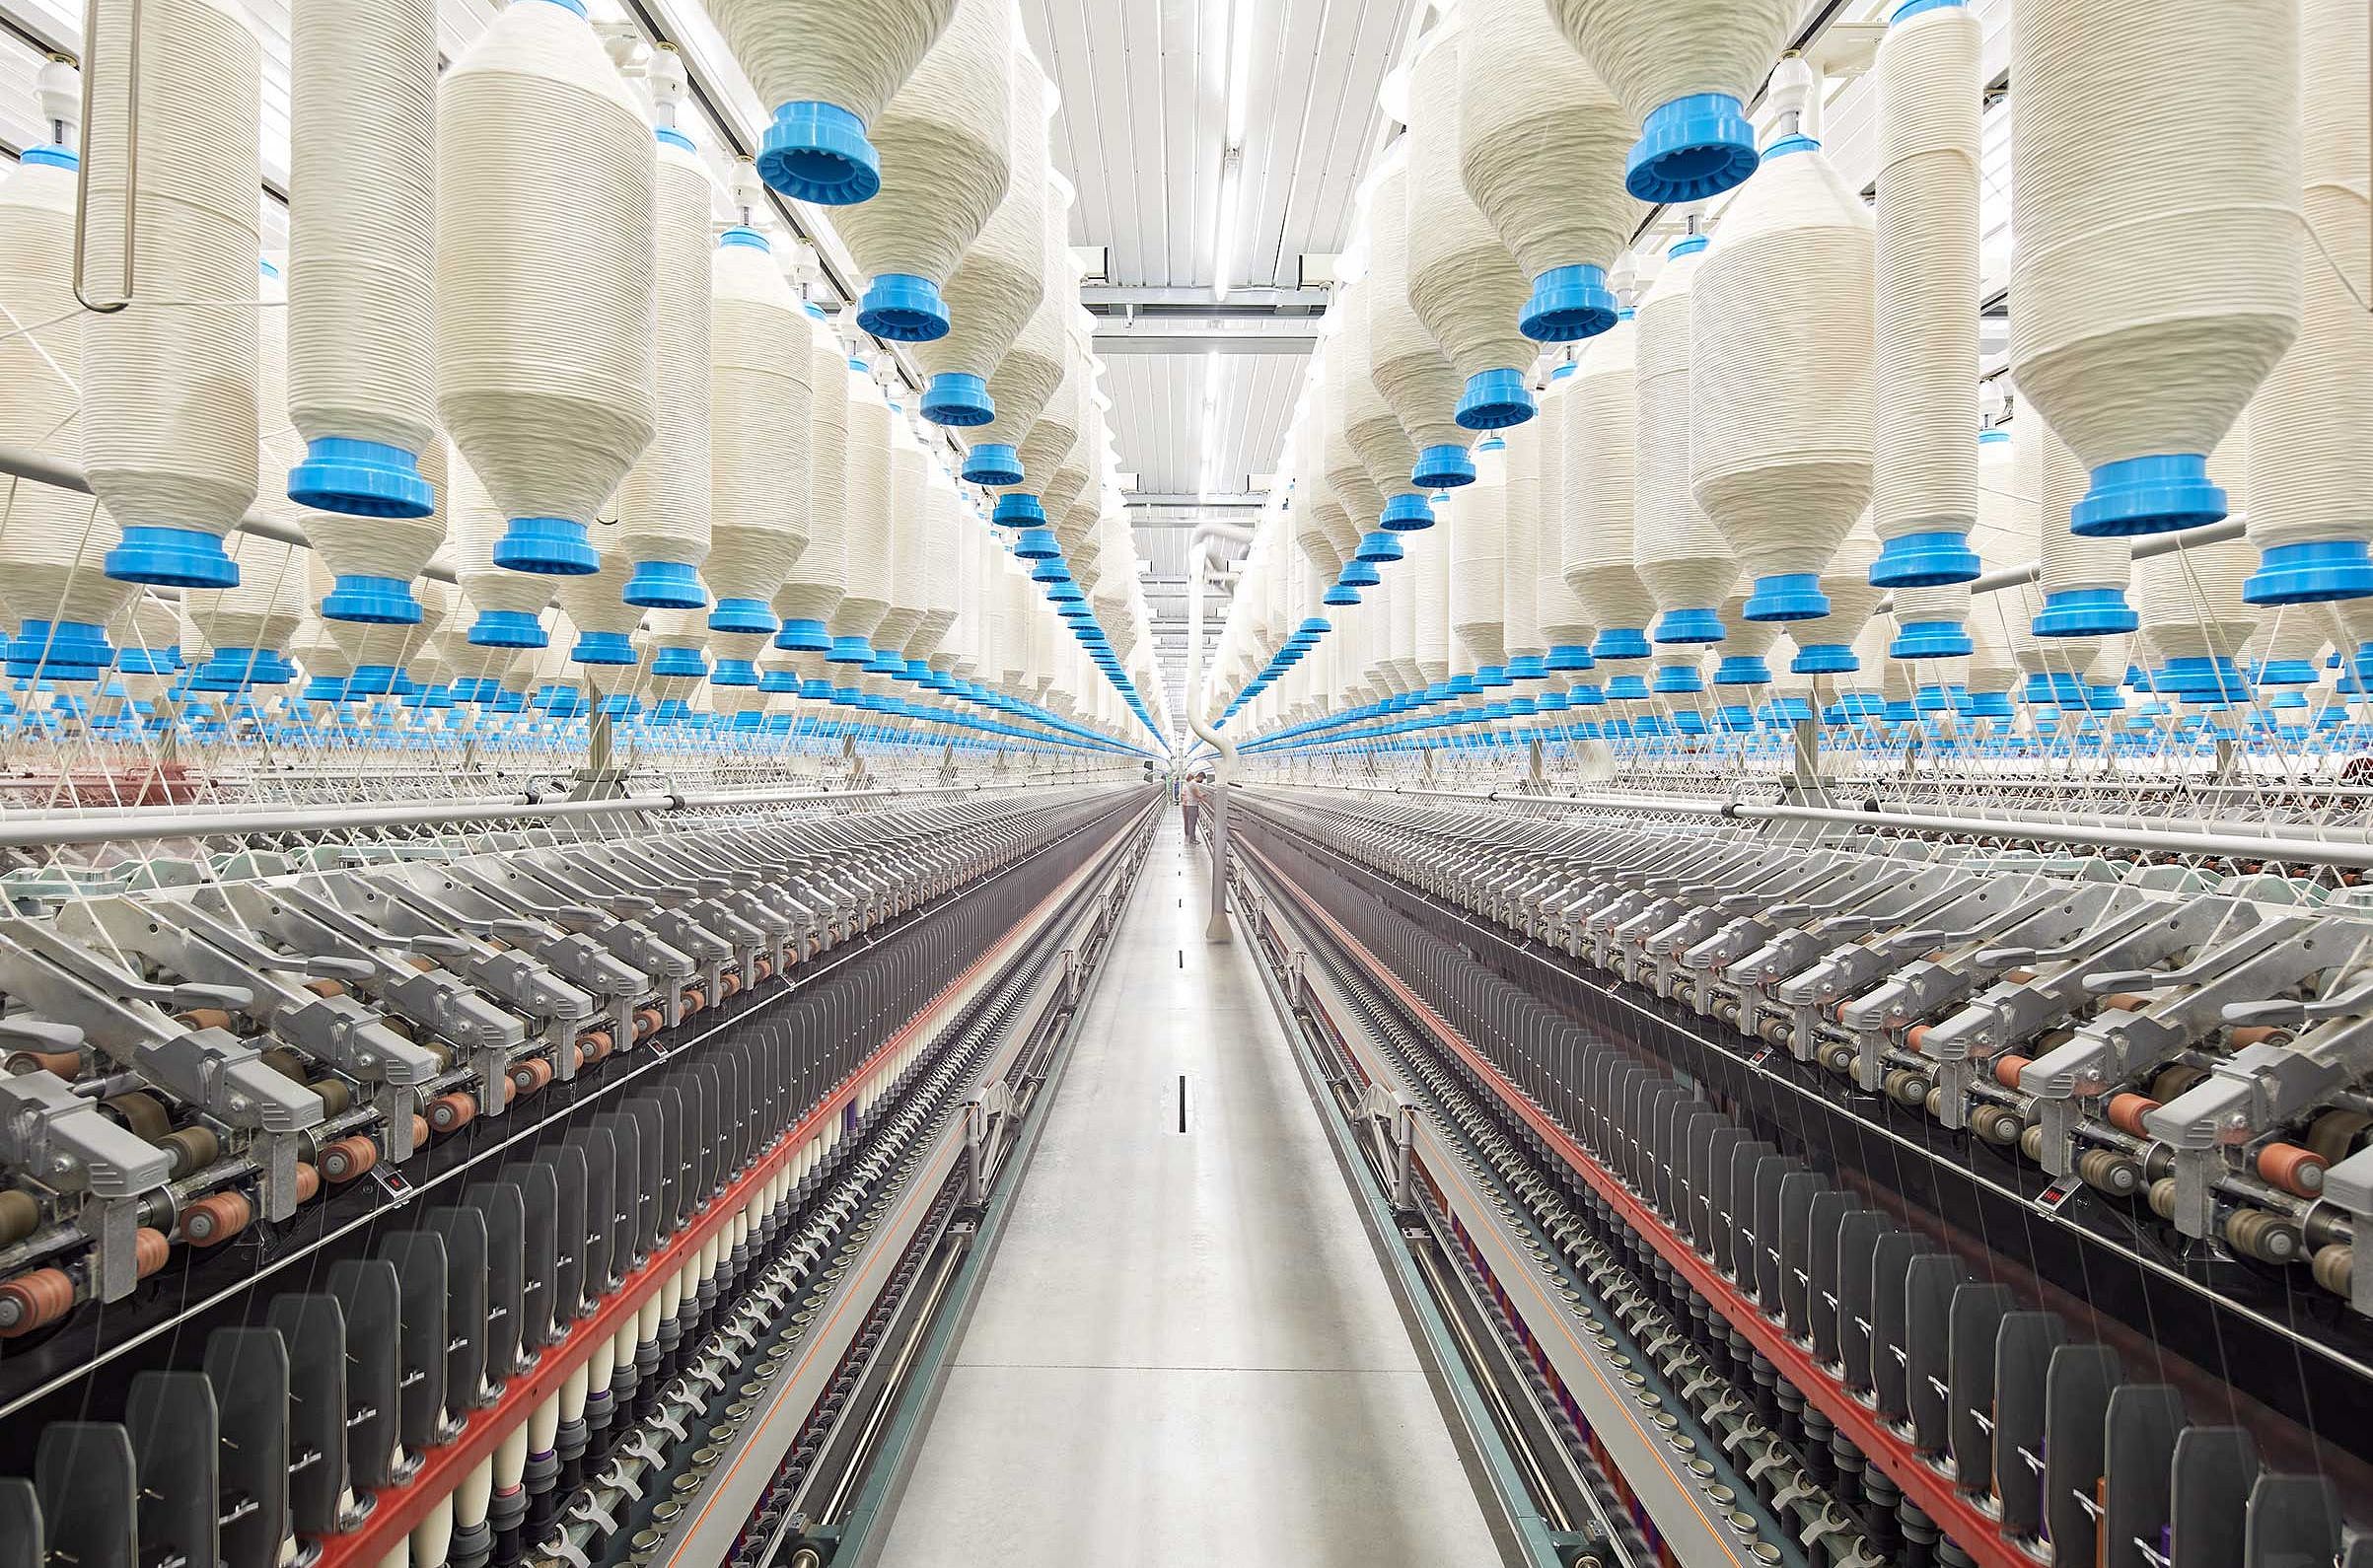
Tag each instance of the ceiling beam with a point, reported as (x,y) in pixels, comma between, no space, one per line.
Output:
(1187,335)
(1233,498)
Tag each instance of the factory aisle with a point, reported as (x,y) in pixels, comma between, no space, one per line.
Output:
(1186,1352)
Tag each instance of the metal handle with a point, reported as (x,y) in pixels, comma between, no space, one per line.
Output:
(131,152)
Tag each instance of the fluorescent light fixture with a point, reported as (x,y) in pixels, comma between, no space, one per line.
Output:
(1223,245)
(1239,67)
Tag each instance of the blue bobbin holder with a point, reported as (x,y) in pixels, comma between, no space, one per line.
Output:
(1442,468)
(1407,513)
(2312,573)
(2085,612)
(1494,400)
(817,151)
(665,584)
(1925,560)
(1691,149)
(2148,495)
(1567,305)
(1689,626)
(361,478)
(547,547)
(371,600)
(1787,596)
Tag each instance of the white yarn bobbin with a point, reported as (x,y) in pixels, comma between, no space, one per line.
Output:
(945,517)
(1463,282)
(1032,369)
(1541,149)
(1683,70)
(866,528)
(245,630)
(1478,548)
(1346,471)
(1602,418)
(1002,278)
(827,69)
(2155,193)
(666,502)
(545,365)
(762,367)
(362,299)
(53,541)
(2312,420)
(1844,585)
(1369,423)
(1566,622)
(175,472)
(944,142)
(1683,558)
(1406,364)
(2191,598)
(507,602)
(909,576)
(1924,464)
(1780,376)
(2083,580)
(605,623)
(1519,556)
(813,588)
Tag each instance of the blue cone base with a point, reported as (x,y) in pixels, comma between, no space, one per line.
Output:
(817,151)
(1787,596)
(1567,659)
(679,664)
(1743,669)
(1932,639)
(59,650)
(1340,594)
(2310,574)
(1568,303)
(2085,612)
(1675,679)
(1379,546)
(371,600)
(742,615)
(1620,642)
(992,462)
(2286,673)
(803,636)
(665,584)
(2202,680)
(1691,149)
(1688,626)
(1018,512)
(2148,495)
(507,629)
(1036,544)
(1443,467)
(361,478)
(1925,560)
(547,547)
(1407,514)
(172,558)
(1050,569)
(849,651)
(1528,667)
(903,308)
(1494,400)
(1359,573)
(601,648)
(1627,689)
(959,399)
(1825,659)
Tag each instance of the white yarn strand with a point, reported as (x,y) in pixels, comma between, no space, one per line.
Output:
(1602,418)
(761,365)
(1520,559)
(817,577)
(1682,557)
(1564,622)
(664,510)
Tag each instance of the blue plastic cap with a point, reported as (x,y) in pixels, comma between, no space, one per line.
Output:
(886,662)
(324,688)
(2310,574)
(665,584)
(803,636)
(1925,560)
(149,661)
(2286,673)
(1743,669)
(1787,596)
(737,234)
(849,651)
(549,546)
(1314,628)
(992,462)
(783,680)
(1990,705)
(1691,149)
(1494,400)
(507,629)
(1408,513)
(1690,625)
(361,478)
(1379,546)
(2148,495)
(1795,143)
(817,151)
(1672,679)
(1493,675)
(601,648)
(59,650)
(1568,303)
(377,680)
(1528,667)
(1932,639)
(1341,594)
(1051,569)
(172,558)
(903,308)
(1825,659)
(50,155)
(1627,689)
(1913,8)
(1064,593)
(1018,511)
(1359,573)
(373,601)
(1035,543)
(959,399)
(684,663)
(2213,679)
(740,614)
(2085,612)
(1620,642)
(1443,467)
(815,691)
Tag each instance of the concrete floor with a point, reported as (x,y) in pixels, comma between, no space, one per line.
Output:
(1186,1352)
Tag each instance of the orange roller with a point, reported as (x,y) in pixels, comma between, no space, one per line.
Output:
(647,1021)
(419,1132)
(531,1074)
(2296,1171)
(216,1218)
(765,968)
(595,1043)
(1914,1035)
(204,1018)
(2008,1070)
(150,1248)
(65,1064)
(34,1301)
(349,1158)
(695,999)
(451,1113)
(327,988)
(729,987)
(2126,1112)
(2257,1034)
